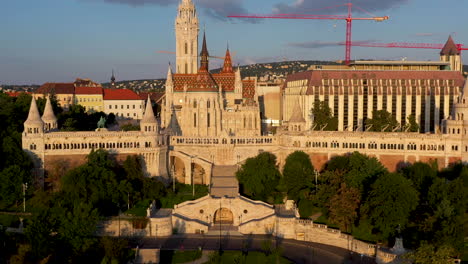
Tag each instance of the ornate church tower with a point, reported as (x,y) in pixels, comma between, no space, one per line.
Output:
(451,53)
(186,30)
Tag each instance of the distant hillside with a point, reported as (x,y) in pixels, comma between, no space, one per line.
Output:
(265,70)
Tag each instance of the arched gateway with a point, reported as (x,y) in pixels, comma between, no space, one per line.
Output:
(223,216)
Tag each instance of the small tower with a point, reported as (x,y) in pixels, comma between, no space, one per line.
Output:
(112,80)
(168,100)
(186,30)
(227,67)
(34,124)
(49,119)
(297,122)
(450,53)
(204,61)
(238,82)
(149,122)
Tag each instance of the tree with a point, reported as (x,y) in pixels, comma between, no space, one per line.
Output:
(429,254)
(11,189)
(382,121)
(412,124)
(297,174)
(343,207)
(323,118)
(390,202)
(259,176)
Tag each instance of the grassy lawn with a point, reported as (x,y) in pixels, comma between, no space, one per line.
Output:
(140,208)
(171,256)
(184,192)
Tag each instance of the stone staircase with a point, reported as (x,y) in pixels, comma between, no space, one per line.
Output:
(223,230)
(224,182)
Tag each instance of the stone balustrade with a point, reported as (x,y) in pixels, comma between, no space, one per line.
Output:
(240,141)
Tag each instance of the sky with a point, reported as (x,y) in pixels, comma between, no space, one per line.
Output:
(61,40)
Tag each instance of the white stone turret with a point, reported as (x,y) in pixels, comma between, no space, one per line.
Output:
(34,124)
(149,122)
(238,82)
(168,99)
(49,119)
(297,121)
(186,30)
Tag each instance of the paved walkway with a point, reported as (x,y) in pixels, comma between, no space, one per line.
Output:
(299,252)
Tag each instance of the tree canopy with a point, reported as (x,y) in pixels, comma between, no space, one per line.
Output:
(259,176)
(381,121)
(297,174)
(323,117)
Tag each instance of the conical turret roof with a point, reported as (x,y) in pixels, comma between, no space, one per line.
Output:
(296,116)
(450,48)
(227,67)
(33,117)
(48,115)
(149,117)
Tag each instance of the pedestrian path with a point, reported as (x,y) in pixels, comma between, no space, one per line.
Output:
(224,182)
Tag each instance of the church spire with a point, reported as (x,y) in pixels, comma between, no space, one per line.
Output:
(204,55)
(227,67)
(169,81)
(49,119)
(149,122)
(112,79)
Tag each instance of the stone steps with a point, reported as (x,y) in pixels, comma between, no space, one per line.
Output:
(224,182)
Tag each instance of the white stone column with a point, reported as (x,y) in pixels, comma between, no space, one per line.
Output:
(370,104)
(379,98)
(331,103)
(351,109)
(418,107)
(427,114)
(437,111)
(409,103)
(389,99)
(340,111)
(399,105)
(447,103)
(360,121)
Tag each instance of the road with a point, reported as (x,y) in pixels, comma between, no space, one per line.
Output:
(300,252)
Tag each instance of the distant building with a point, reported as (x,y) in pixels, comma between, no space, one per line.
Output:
(123,103)
(353,95)
(63,92)
(91,98)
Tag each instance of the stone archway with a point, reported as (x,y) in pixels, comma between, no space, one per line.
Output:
(199,174)
(223,216)
(179,169)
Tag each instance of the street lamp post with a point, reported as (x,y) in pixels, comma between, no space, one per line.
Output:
(25,186)
(192,172)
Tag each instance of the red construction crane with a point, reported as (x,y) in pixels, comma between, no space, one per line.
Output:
(348,18)
(405,45)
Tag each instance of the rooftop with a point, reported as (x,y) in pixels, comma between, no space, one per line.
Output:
(120,94)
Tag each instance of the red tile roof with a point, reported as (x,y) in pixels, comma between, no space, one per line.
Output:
(16,94)
(154,96)
(450,48)
(88,90)
(315,77)
(56,88)
(120,94)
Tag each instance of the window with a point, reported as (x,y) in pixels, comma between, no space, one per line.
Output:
(128,107)
(121,106)
(208,120)
(195,120)
(110,106)
(186,48)
(133,106)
